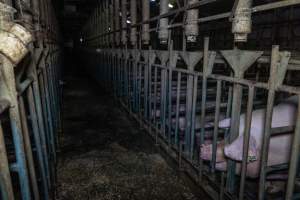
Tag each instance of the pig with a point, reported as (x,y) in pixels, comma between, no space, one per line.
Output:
(284,114)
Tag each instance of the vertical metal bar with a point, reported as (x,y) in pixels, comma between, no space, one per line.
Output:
(155,96)
(251,94)
(39,143)
(177,107)
(170,82)
(28,150)
(146,88)
(163,99)
(203,100)
(294,157)
(150,92)
(268,122)
(189,101)
(15,121)
(194,104)
(6,184)
(216,123)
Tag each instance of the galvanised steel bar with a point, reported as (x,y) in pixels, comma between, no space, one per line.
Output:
(206,71)
(216,121)
(193,123)
(177,108)
(292,172)
(276,79)
(6,183)
(40,143)
(28,149)
(15,121)
(251,93)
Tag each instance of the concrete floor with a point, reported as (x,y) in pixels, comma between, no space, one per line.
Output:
(105,156)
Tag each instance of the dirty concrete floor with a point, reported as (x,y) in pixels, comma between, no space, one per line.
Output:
(105,156)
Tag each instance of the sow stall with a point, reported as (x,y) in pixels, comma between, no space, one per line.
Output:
(228,114)
(30,64)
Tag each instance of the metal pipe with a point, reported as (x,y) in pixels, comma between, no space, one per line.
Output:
(294,158)
(117,21)
(192,28)
(242,23)
(133,15)
(163,33)
(146,17)
(28,149)
(111,20)
(124,22)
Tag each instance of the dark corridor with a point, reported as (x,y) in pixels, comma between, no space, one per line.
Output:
(149,99)
(105,155)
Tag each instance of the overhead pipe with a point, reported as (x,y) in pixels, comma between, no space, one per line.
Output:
(242,23)
(163,33)
(192,27)
(133,15)
(146,17)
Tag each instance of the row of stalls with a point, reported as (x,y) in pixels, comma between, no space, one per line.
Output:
(228,114)
(30,62)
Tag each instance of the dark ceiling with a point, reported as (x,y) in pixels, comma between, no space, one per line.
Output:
(72,15)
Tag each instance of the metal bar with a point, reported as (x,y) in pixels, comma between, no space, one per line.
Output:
(40,143)
(251,93)
(5,181)
(177,108)
(268,122)
(294,158)
(28,150)
(216,123)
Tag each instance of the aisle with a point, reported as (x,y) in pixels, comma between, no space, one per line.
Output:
(105,156)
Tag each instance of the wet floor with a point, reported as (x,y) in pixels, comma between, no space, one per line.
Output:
(105,156)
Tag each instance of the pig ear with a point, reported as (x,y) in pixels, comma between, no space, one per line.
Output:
(252,153)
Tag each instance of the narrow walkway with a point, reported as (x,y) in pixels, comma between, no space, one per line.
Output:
(104,155)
